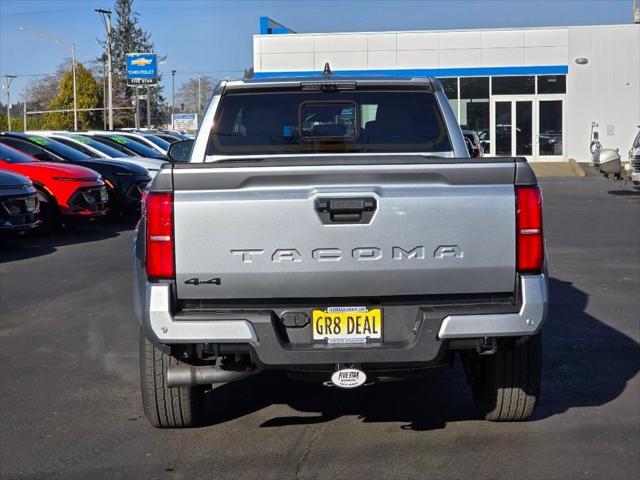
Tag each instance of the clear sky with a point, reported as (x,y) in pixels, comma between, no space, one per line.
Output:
(215,36)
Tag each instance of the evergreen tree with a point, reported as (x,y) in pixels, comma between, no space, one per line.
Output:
(89,96)
(128,37)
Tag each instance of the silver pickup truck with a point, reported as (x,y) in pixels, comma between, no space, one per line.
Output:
(336,229)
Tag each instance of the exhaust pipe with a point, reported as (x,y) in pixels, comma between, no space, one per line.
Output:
(187,376)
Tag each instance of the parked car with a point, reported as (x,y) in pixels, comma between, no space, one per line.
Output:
(125,182)
(472,136)
(18,204)
(342,253)
(98,150)
(125,145)
(65,191)
(157,144)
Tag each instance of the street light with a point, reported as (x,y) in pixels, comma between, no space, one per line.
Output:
(62,43)
(105,14)
(173,91)
(5,86)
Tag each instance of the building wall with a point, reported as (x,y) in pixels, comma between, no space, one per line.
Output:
(606,90)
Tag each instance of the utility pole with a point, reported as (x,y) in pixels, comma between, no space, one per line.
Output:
(6,83)
(75,88)
(104,92)
(105,14)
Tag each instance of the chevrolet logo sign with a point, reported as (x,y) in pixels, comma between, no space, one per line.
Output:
(141,62)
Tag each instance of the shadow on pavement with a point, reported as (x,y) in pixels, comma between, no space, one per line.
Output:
(625,193)
(29,246)
(586,363)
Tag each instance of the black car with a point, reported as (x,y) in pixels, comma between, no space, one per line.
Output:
(125,182)
(18,203)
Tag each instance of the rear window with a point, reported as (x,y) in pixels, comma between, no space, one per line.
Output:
(328,122)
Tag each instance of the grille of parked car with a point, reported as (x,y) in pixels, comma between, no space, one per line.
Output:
(21,210)
(91,198)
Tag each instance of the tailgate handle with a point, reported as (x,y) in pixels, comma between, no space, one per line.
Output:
(346,210)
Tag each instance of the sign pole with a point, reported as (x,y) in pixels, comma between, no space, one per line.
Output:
(137,116)
(149,106)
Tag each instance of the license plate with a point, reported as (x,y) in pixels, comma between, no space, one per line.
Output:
(104,196)
(30,204)
(347,324)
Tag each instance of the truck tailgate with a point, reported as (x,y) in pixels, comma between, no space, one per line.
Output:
(289,232)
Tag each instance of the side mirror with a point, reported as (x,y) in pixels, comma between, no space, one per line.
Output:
(180,151)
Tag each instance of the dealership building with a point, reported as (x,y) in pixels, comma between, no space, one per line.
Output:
(532,92)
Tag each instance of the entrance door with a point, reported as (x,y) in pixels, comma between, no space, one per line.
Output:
(512,127)
(527,126)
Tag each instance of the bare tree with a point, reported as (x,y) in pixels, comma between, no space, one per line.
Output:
(194,90)
(42,90)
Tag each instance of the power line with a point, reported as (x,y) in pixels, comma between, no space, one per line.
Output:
(38,12)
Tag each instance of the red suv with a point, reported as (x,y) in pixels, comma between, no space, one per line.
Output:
(64,191)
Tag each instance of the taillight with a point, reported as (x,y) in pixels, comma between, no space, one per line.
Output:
(530,243)
(159,213)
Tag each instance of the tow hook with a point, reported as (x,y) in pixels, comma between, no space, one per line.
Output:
(347,376)
(487,346)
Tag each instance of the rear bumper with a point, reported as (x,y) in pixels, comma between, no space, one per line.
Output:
(422,338)
(527,321)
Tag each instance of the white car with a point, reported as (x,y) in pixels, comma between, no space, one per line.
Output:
(156,143)
(99,150)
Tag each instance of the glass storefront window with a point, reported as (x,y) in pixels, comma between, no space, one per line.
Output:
(450,87)
(550,127)
(552,84)
(503,128)
(474,107)
(522,85)
(524,125)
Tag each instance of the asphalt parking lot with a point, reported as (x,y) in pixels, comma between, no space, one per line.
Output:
(69,396)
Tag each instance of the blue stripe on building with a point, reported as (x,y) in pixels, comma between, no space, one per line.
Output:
(436,72)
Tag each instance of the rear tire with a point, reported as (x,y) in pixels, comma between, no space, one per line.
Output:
(166,407)
(506,385)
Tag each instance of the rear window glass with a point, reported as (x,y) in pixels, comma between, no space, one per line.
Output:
(328,122)
(132,145)
(60,149)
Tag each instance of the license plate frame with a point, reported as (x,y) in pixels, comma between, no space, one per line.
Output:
(347,325)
